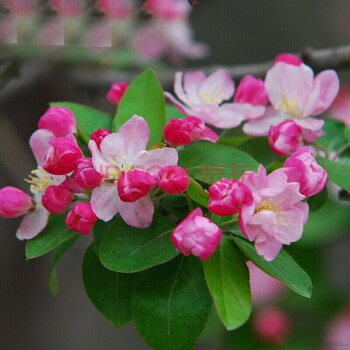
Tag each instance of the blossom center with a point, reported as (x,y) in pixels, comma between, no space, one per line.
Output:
(119,165)
(40,180)
(212,95)
(270,205)
(290,106)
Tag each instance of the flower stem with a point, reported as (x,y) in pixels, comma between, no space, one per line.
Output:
(159,198)
(341,150)
(189,202)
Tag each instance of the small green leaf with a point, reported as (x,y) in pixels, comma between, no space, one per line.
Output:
(318,201)
(334,137)
(177,205)
(144,97)
(110,292)
(197,193)
(228,281)
(171,304)
(347,133)
(283,268)
(100,229)
(337,172)
(234,141)
(88,119)
(130,249)
(57,255)
(209,162)
(55,233)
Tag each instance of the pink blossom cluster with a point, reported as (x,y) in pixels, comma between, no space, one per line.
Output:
(282,107)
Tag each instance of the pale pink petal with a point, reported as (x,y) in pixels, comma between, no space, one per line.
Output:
(135,133)
(261,126)
(219,84)
(311,128)
(181,107)
(255,181)
(152,161)
(104,201)
(137,214)
(113,146)
(39,143)
(192,83)
(340,109)
(100,163)
(324,91)
(179,91)
(209,135)
(268,248)
(33,223)
(230,115)
(289,197)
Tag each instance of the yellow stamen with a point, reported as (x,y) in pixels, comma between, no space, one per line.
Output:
(290,106)
(212,95)
(270,205)
(40,180)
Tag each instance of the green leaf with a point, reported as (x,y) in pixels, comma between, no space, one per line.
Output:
(88,119)
(234,141)
(347,133)
(129,249)
(100,229)
(171,304)
(334,137)
(144,97)
(283,268)
(55,233)
(228,281)
(177,205)
(318,201)
(337,172)
(197,193)
(209,162)
(110,292)
(259,149)
(57,255)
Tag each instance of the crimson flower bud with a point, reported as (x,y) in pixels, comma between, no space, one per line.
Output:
(173,179)
(288,58)
(62,157)
(85,174)
(227,196)
(14,202)
(184,131)
(99,135)
(285,138)
(59,120)
(57,199)
(134,185)
(116,92)
(251,90)
(81,218)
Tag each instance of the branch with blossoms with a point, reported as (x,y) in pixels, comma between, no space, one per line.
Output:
(180,196)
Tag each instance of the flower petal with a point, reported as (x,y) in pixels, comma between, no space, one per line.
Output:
(99,162)
(113,146)
(104,201)
(179,91)
(39,143)
(192,83)
(268,248)
(181,107)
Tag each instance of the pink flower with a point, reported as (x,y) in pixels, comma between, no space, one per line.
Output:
(337,333)
(99,135)
(173,179)
(288,58)
(285,138)
(118,9)
(59,120)
(263,287)
(340,109)
(81,218)
(272,325)
(14,202)
(276,216)
(311,176)
(180,132)
(203,97)
(135,184)
(57,199)
(196,235)
(62,157)
(85,174)
(227,196)
(296,95)
(168,10)
(123,152)
(251,90)
(116,92)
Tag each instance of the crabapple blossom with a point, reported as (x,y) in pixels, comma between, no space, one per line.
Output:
(227,196)
(168,10)
(251,90)
(180,132)
(99,135)
(272,325)
(173,179)
(57,199)
(14,202)
(276,215)
(297,95)
(85,174)
(62,157)
(116,92)
(134,184)
(196,235)
(285,138)
(340,109)
(81,218)
(123,152)
(203,97)
(288,58)
(311,176)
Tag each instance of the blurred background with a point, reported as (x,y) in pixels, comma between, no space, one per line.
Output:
(49,52)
